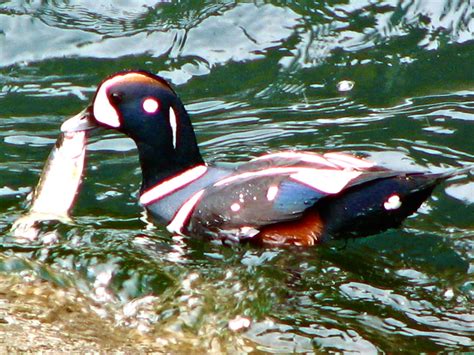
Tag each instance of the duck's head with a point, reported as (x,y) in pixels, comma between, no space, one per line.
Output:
(146,108)
(130,102)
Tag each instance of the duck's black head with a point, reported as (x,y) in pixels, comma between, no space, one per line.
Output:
(144,107)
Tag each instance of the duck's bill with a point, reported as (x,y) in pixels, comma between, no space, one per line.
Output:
(83,121)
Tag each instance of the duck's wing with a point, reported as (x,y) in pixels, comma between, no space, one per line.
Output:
(333,160)
(274,189)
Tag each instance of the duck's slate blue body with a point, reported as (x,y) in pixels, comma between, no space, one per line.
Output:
(239,209)
(282,198)
(164,209)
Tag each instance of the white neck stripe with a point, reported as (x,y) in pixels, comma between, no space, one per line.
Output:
(172,184)
(173,124)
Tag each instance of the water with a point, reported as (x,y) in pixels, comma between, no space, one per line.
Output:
(256,78)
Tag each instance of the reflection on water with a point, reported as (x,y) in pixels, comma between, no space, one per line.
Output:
(256,78)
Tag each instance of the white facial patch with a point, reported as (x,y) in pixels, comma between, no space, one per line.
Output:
(150,105)
(392,203)
(173,124)
(103,109)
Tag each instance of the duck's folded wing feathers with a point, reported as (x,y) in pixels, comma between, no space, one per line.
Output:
(251,200)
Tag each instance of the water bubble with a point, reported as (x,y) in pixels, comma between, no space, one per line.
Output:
(345,85)
(239,323)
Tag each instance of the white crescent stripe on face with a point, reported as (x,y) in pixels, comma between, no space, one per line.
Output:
(180,218)
(172,184)
(103,109)
(173,124)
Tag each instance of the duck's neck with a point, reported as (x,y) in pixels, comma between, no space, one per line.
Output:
(160,160)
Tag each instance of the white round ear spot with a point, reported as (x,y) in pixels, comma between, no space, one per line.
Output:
(150,105)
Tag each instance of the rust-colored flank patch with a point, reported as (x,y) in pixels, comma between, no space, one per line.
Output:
(306,231)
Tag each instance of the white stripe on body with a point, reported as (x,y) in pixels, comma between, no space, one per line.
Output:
(176,182)
(180,218)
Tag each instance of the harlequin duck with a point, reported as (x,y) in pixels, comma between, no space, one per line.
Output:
(283,198)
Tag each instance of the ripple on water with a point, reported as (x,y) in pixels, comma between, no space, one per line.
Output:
(256,78)
(450,327)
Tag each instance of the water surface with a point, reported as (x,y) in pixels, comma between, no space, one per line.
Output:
(256,78)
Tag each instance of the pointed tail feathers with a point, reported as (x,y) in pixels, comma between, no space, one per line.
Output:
(456,172)
(376,205)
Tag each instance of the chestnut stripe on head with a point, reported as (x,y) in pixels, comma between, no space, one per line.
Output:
(141,78)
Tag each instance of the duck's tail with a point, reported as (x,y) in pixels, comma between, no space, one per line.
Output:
(453,172)
(377,205)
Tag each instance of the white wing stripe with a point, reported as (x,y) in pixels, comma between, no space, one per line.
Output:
(304,157)
(326,180)
(348,161)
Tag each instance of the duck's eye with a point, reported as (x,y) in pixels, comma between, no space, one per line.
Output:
(150,105)
(116,97)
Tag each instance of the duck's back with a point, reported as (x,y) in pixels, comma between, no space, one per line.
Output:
(279,198)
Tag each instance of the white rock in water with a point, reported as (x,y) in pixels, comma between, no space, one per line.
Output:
(239,323)
(449,294)
(345,85)
(50,238)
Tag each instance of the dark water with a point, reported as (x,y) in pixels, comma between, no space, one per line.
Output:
(256,78)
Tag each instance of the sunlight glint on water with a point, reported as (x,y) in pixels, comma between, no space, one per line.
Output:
(256,78)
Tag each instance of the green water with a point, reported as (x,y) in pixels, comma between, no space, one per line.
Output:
(256,77)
